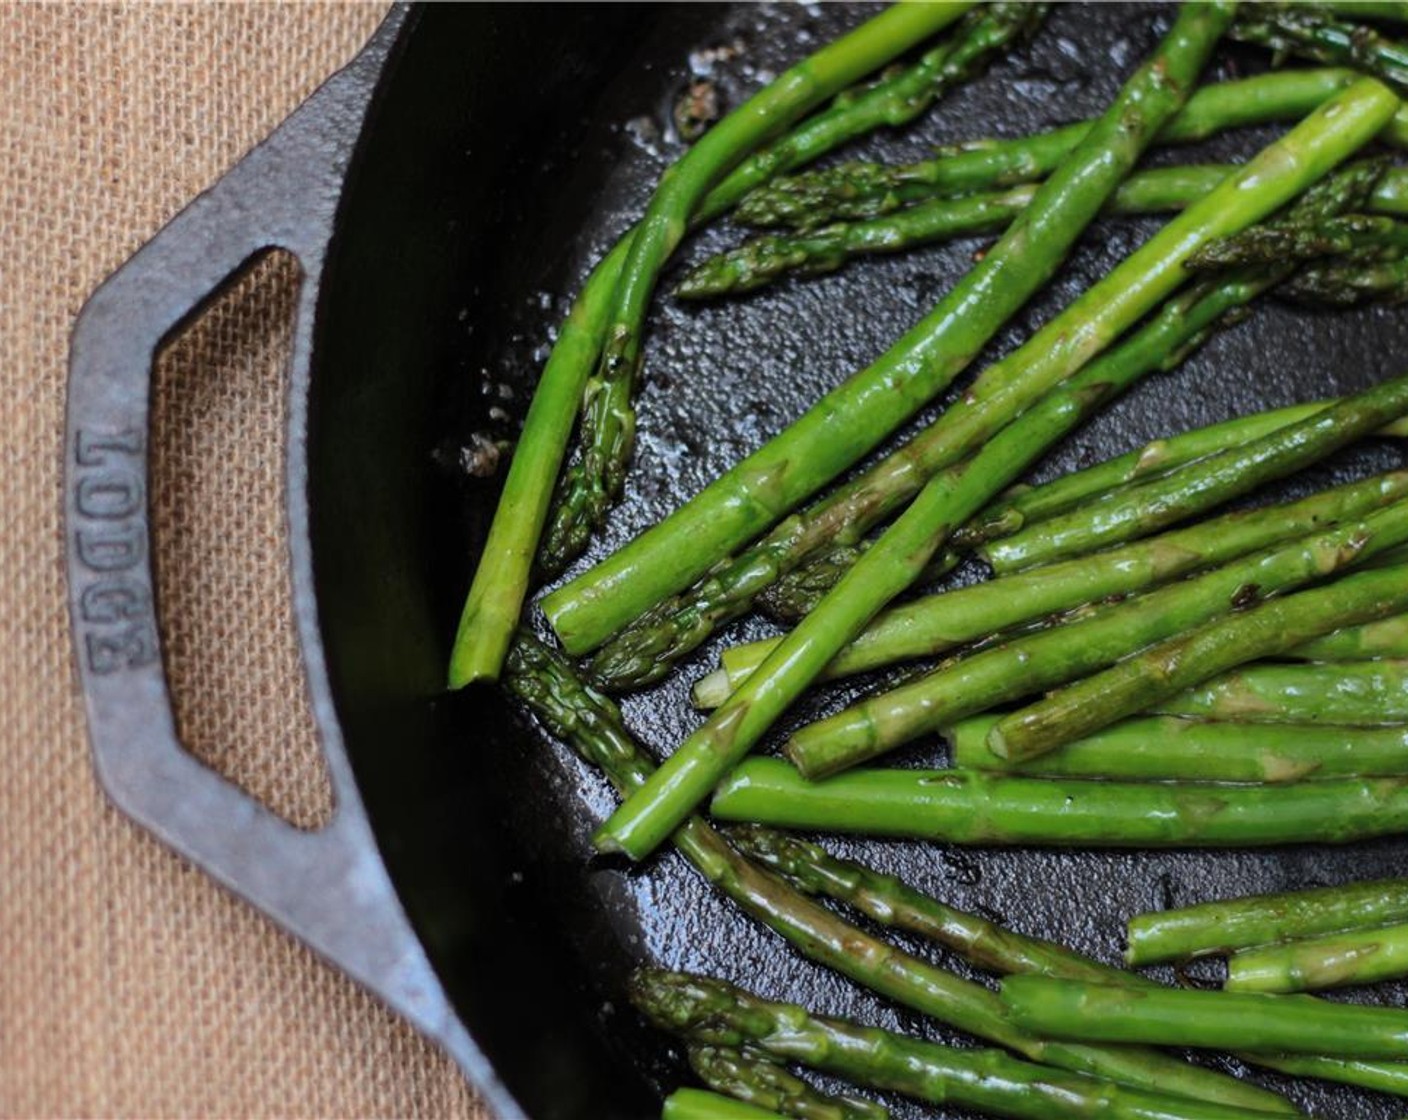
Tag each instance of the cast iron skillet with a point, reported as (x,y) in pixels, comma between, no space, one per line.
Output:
(443,193)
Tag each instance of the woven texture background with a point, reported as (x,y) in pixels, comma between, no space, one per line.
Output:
(129,984)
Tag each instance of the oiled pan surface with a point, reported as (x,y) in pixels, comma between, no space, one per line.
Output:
(510,149)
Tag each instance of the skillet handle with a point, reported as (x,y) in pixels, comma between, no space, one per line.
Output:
(328,887)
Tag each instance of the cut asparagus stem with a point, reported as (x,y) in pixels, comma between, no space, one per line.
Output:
(699,1104)
(1172,749)
(1365,237)
(1339,960)
(607,432)
(1064,653)
(973,807)
(1249,1021)
(892,902)
(764,259)
(851,419)
(1307,33)
(989,1081)
(937,623)
(765,1084)
(495,599)
(1385,638)
(1200,485)
(867,190)
(591,724)
(1241,923)
(1146,679)
(1357,695)
(1348,285)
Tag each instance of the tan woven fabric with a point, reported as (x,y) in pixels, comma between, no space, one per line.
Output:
(129,984)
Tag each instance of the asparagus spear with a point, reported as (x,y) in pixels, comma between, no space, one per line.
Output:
(697,1104)
(937,623)
(1242,923)
(591,484)
(1364,236)
(985,1080)
(1338,960)
(1306,33)
(1386,638)
(1062,653)
(1159,457)
(857,415)
(1172,749)
(1250,1021)
(1200,485)
(591,724)
(1347,285)
(973,807)
(496,595)
(867,190)
(764,259)
(1166,669)
(1359,694)
(765,1084)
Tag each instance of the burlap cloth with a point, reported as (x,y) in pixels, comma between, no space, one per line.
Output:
(129,984)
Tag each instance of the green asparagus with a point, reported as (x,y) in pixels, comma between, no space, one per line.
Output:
(974,807)
(989,1081)
(1366,237)
(763,259)
(645,650)
(1338,960)
(1242,923)
(1386,638)
(1244,1020)
(851,419)
(937,623)
(1063,653)
(868,190)
(607,433)
(744,1076)
(1348,285)
(591,723)
(892,902)
(1359,694)
(1307,33)
(1168,748)
(1144,680)
(697,1104)
(495,599)
(1027,505)
(1139,510)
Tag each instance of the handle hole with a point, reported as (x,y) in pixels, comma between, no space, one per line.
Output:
(220,539)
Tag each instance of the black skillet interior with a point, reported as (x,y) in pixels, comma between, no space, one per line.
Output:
(507,149)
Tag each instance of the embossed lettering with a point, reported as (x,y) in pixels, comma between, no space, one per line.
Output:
(111,549)
(127,648)
(115,600)
(91,448)
(109,494)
